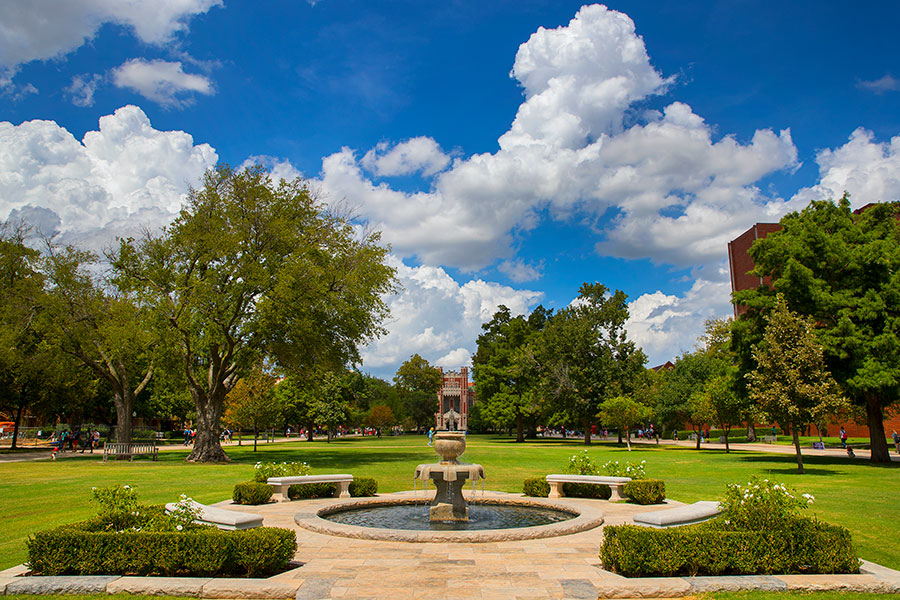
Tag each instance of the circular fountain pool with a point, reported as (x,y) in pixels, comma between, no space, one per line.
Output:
(491,518)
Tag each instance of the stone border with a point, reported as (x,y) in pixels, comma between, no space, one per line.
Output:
(587,518)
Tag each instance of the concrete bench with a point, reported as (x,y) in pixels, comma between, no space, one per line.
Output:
(221,518)
(770,439)
(281,484)
(681,515)
(130,450)
(615,484)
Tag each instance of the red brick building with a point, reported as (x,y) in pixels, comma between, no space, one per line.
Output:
(740,263)
(455,398)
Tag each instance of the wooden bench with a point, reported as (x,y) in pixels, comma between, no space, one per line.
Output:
(281,484)
(130,450)
(221,518)
(680,515)
(616,484)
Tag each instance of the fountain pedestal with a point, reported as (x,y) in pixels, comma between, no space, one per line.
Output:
(449,477)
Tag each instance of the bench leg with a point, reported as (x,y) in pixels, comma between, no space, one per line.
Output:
(556,490)
(616,493)
(281,493)
(342,490)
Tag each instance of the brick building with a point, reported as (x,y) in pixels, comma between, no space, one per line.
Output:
(455,398)
(739,263)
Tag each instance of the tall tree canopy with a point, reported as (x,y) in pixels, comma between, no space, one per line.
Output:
(506,372)
(586,357)
(251,269)
(843,270)
(418,383)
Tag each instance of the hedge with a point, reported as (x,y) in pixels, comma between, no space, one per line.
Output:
(363,486)
(646,491)
(359,487)
(539,488)
(536,487)
(251,492)
(203,552)
(801,546)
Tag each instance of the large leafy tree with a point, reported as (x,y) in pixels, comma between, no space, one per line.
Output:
(791,383)
(251,269)
(418,383)
(586,357)
(507,376)
(843,270)
(624,413)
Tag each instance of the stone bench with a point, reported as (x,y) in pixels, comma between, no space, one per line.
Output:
(770,439)
(681,515)
(221,518)
(615,484)
(281,484)
(130,450)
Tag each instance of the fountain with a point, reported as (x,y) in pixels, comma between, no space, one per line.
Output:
(449,477)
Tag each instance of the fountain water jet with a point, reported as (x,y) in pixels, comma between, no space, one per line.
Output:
(449,477)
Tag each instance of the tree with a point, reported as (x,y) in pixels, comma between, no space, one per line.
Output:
(586,357)
(297,395)
(250,270)
(791,383)
(252,403)
(419,383)
(379,417)
(506,370)
(624,413)
(727,407)
(841,269)
(332,406)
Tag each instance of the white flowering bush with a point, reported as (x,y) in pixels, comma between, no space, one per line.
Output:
(283,469)
(115,499)
(628,469)
(185,512)
(581,464)
(761,504)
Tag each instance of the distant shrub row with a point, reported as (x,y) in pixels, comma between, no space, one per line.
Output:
(250,492)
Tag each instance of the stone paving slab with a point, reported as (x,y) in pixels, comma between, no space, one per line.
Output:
(659,587)
(736,584)
(843,583)
(249,588)
(62,584)
(159,586)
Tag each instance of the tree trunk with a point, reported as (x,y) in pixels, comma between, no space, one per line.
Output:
(619,434)
(206,444)
(628,439)
(520,428)
(877,442)
(796,435)
(309,433)
(751,432)
(255,437)
(697,435)
(587,432)
(726,430)
(19,412)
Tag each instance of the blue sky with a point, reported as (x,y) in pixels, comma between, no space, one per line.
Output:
(509,150)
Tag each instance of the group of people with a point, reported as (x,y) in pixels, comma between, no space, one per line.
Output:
(73,440)
(189,435)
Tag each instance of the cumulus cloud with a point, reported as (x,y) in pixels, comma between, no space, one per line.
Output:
(439,318)
(117,180)
(887,83)
(416,155)
(162,81)
(278,168)
(38,31)
(520,271)
(82,89)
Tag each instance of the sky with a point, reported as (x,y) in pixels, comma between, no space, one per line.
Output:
(509,151)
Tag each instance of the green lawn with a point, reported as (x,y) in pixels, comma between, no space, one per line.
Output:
(41,494)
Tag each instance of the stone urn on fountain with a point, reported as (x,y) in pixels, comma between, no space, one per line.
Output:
(449,477)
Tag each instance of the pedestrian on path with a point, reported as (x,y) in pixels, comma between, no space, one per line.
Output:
(843,436)
(896,437)
(430,436)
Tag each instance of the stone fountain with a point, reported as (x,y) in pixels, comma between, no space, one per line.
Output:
(449,477)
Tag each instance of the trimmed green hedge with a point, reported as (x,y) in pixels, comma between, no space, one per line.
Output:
(208,551)
(363,486)
(587,490)
(536,487)
(359,487)
(646,491)
(251,492)
(711,548)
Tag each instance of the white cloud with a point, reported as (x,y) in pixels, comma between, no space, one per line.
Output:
(416,155)
(887,83)
(520,271)
(438,318)
(115,181)
(82,89)
(278,168)
(39,30)
(162,81)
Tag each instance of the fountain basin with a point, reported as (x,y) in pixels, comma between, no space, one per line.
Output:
(584,518)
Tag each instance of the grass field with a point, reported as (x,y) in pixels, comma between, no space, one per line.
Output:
(40,494)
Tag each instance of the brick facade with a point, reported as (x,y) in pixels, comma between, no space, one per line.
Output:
(455,398)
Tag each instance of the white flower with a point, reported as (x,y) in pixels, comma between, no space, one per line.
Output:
(127,487)
(179,527)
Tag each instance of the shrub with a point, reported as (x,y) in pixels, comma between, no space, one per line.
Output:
(713,548)
(284,469)
(761,504)
(536,487)
(587,490)
(363,486)
(614,469)
(581,464)
(646,491)
(204,551)
(305,491)
(251,492)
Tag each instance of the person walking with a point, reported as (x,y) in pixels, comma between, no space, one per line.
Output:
(430,436)
(896,437)
(843,436)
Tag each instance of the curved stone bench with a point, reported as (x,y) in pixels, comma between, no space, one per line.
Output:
(281,484)
(221,518)
(616,484)
(681,515)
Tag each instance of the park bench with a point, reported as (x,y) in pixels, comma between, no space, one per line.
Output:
(681,515)
(129,450)
(281,484)
(221,518)
(615,484)
(770,439)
